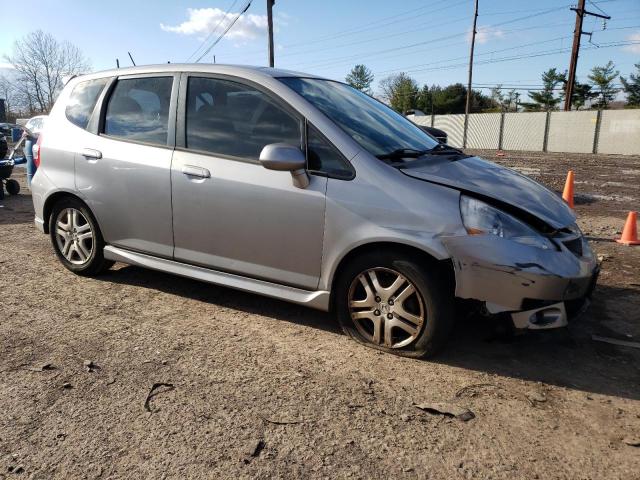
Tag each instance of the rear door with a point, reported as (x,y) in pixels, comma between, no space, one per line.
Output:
(229,212)
(123,172)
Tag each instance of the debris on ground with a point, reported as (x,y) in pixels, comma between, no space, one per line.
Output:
(615,341)
(257,448)
(154,391)
(280,422)
(536,396)
(67,386)
(632,441)
(473,389)
(448,410)
(42,368)
(15,470)
(90,366)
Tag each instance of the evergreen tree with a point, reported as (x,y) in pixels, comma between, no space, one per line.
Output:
(632,87)
(425,100)
(546,99)
(602,79)
(360,77)
(582,94)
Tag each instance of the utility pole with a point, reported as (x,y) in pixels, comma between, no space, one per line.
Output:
(467,108)
(577,35)
(270,25)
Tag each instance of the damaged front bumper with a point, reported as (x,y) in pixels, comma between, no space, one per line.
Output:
(538,288)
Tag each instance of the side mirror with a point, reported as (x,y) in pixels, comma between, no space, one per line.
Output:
(285,157)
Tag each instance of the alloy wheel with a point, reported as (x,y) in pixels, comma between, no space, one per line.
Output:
(386,307)
(74,236)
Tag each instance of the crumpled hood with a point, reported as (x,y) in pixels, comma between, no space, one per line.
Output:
(485,178)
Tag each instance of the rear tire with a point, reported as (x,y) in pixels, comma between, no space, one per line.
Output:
(76,238)
(13,187)
(388,301)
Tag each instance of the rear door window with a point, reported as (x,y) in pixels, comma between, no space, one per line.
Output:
(82,100)
(233,119)
(138,110)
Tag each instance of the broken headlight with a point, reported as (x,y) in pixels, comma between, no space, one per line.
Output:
(480,218)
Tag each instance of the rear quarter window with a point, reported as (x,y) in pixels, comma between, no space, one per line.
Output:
(82,100)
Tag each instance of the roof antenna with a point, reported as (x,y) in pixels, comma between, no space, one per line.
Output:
(134,63)
(117,63)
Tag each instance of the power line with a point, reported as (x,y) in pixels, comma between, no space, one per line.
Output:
(527,56)
(403,47)
(248,4)
(375,26)
(491,52)
(367,40)
(224,17)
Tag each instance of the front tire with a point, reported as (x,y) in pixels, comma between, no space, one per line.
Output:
(388,301)
(76,238)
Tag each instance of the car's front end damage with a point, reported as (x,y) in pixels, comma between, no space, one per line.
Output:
(537,288)
(523,253)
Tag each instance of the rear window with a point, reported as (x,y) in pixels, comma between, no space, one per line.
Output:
(138,110)
(82,100)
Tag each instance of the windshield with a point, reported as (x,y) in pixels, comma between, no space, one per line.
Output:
(376,127)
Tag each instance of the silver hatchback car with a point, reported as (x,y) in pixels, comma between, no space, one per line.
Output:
(304,189)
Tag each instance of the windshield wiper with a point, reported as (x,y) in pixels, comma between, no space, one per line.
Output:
(403,153)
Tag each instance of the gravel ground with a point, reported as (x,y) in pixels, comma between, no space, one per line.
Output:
(257,388)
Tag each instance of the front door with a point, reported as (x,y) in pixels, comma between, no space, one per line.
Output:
(230,213)
(123,173)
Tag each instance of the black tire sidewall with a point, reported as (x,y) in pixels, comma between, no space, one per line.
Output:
(13,187)
(432,288)
(96,261)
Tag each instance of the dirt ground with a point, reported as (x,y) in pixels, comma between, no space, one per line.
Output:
(257,388)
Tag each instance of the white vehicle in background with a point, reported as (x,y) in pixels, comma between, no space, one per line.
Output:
(36,124)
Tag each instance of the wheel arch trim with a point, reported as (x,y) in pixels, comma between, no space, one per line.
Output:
(55,197)
(427,255)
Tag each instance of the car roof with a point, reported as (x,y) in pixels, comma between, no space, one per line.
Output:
(248,71)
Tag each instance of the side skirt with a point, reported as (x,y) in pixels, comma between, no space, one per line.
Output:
(317,299)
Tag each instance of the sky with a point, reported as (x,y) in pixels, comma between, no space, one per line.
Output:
(429,39)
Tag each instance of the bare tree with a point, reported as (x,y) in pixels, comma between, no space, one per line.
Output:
(7,92)
(42,63)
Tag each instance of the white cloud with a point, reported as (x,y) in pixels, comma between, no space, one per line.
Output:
(486,33)
(634,37)
(201,21)
(6,66)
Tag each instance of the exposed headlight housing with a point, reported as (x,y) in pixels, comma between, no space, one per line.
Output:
(480,218)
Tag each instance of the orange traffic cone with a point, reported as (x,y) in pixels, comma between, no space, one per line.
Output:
(567,194)
(630,232)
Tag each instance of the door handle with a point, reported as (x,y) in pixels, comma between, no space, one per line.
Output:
(193,171)
(91,153)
